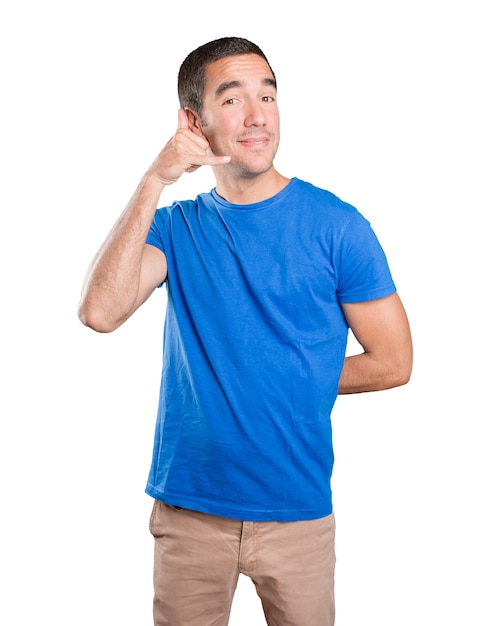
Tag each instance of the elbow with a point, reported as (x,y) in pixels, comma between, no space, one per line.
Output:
(402,372)
(94,318)
(402,378)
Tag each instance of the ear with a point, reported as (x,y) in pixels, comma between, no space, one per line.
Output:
(194,122)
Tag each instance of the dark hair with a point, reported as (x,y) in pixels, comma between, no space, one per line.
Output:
(192,73)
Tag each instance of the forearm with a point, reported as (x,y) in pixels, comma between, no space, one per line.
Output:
(362,373)
(111,285)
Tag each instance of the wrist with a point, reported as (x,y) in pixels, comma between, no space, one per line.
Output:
(152,181)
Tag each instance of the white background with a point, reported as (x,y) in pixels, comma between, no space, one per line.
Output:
(382,103)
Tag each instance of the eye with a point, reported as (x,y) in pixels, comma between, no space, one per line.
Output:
(230,101)
(268,99)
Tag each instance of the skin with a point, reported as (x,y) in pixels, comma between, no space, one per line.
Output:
(237,135)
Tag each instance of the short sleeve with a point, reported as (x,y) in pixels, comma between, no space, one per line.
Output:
(364,273)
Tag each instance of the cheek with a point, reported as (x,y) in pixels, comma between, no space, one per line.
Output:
(274,121)
(221,131)
(227,126)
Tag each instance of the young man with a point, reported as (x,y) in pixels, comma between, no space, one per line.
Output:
(265,275)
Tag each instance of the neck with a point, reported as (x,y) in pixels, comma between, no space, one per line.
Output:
(249,190)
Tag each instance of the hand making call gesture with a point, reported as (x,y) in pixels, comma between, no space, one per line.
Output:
(186,151)
(125,271)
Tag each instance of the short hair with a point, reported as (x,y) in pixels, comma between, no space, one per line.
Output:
(191,81)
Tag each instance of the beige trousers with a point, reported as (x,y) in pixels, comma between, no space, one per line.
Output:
(199,557)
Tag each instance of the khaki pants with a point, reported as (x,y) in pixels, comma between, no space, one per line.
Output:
(199,557)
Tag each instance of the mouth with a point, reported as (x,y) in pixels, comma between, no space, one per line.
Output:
(254,142)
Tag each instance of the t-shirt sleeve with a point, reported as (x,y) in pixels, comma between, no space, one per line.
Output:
(364,273)
(156,232)
(155,236)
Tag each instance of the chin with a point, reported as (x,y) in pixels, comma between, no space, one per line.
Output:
(247,169)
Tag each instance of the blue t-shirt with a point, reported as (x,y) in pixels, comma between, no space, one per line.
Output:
(254,343)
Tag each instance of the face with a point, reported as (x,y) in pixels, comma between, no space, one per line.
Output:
(240,116)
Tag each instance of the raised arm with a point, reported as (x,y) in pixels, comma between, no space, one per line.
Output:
(126,270)
(381,327)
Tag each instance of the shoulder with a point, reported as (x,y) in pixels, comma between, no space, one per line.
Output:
(322,198)
(322,207)
(178,208)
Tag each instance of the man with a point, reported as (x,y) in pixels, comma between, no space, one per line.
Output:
(264,275)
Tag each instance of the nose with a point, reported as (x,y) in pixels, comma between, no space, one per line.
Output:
(254,114)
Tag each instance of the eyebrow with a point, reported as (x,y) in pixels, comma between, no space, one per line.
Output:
(232,84)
